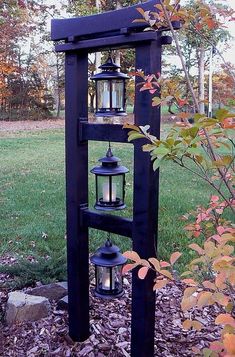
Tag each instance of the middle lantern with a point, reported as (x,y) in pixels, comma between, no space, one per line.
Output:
(110,183)
(110,90)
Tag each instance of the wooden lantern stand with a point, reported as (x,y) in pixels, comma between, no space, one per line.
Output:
(112,30)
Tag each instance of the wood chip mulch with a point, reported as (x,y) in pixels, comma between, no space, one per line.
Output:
(110,329)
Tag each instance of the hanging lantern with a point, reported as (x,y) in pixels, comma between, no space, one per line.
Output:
(110,90)
(110,183)
(108,263)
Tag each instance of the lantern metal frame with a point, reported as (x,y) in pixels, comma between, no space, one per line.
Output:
(110,74)
(111,170)
(108,262)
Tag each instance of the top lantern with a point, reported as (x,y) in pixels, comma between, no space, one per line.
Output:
(110,90)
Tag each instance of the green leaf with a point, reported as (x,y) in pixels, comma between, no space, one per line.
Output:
(156,101)
(207,352)
(224,161)
(156,164)
(184,133)
(222,114)
(161,150)
(194,151)
(193,131)
(134,136)
(198,116)
(170,141)
(148,147)
(208,122)
(131,126)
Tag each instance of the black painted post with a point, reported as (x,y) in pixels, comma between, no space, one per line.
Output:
(76,93)
(145,210)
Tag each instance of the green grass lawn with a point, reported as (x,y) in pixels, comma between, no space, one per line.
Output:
(32,196)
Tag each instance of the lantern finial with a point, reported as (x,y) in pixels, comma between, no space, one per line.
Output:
(109,151)
(108,243)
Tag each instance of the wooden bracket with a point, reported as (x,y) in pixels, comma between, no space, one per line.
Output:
(166,40)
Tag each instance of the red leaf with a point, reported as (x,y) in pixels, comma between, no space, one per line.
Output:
(197,248)
(229,343)
(127,268)
(196,234)
(204,298)
(164,264)
(211,24)
(182,102)
(225,319)
(160,284)
(216,346)
(214,198)
(143,272)
(189,282)
(130,254)
(220,230)
(155,263)
(209,285)
(167,274)
(174,257)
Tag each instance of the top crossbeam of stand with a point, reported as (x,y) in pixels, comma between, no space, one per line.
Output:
(102,25)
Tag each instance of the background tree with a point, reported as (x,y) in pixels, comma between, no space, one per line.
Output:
(223,87)
(24,86)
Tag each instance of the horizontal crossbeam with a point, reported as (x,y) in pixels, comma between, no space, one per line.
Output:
(119,41)
(107,222)
(96,25)
(103,132)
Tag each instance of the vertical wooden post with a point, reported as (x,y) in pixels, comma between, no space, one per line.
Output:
(76,93)
(145,208)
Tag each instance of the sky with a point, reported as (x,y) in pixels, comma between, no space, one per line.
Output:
(230,55)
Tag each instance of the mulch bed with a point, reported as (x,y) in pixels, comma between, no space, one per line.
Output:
(110,329)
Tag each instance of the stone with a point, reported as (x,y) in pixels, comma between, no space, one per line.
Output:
(53,291)
(86,350)
(24,307)
(63,303)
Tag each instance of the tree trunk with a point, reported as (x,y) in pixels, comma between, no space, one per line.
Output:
(97,54)
(58,89)
(117,52)
(201,79)
(92,99)
(210,84)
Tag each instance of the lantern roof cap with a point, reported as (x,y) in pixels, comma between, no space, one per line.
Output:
(108,255)
(109,165)
(109,158)
(109,71)
(109,65)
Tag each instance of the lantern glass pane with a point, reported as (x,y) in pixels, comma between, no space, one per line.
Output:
(117,94)
(105,278)
(118,277)
(110,189)
(109,280)
(103,94)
